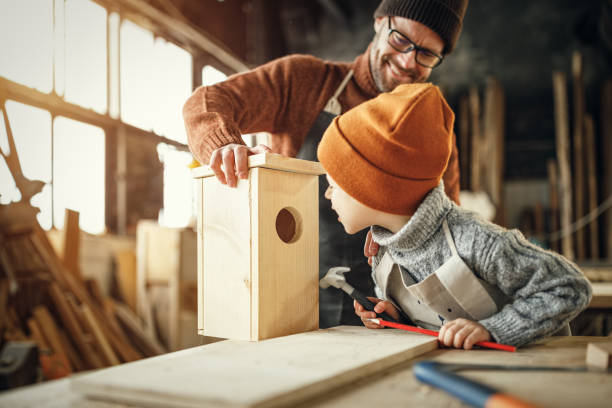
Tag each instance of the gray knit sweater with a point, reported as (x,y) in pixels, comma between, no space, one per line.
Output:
(547,290)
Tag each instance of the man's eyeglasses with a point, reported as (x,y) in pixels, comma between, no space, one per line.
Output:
(403,44)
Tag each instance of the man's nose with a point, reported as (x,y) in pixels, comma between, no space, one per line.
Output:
(407,60)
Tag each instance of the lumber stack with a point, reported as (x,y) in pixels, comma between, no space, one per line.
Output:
(481,137)
(45,299)
(578,195)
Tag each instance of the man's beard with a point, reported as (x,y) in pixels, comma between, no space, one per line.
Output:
(378,66)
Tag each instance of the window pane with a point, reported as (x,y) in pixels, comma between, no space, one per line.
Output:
(4,144)
(138,89)
(211,75)
(77,145)
(179,206)
(173,70)
(8,190)
(31,128)
(26,48)
(86,54)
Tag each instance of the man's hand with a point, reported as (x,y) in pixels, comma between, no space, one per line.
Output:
(463,333)
(230,162)
(370,248)
(381,306)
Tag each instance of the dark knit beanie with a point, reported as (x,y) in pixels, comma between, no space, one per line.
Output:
(445,17)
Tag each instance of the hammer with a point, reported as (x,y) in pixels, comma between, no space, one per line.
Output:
(335,277)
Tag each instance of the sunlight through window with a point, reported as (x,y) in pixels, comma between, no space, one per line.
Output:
(179,206)
(86,54)
(156,79)
(211,76)
(26,29)
(79,173)
(31,128)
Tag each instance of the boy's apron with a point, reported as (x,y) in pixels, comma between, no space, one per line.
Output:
(451,292)
(336,248)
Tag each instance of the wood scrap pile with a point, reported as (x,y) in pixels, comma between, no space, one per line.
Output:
(44,299)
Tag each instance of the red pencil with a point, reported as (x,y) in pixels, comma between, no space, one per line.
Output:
(486,344)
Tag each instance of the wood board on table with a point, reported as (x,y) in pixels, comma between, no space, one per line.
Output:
(272,373)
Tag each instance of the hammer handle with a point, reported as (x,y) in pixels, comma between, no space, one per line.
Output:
(369,305)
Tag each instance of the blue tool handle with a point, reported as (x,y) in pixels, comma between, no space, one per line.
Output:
(369,305)
(466,390)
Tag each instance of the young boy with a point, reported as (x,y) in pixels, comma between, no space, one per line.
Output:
(438,265)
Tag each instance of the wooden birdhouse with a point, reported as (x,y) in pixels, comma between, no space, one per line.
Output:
(258,250)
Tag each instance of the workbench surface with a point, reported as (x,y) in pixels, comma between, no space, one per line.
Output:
(398,387)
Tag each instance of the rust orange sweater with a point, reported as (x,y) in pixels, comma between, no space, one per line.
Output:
(283,98)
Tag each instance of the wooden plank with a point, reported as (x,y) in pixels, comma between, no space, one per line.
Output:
(493,117)
(589,144)
(70,321)
(606,140)
(126,277)
(565,177)
(200,253)
(94,329)
(72,240)
(226,260)
(73,356)
(599,355)
(285,275)
(49,330)
(578,143)
(553,183)
(464,139)
(278,372)
(475,174)
(147,344)
(36,333)
(602,295)
(271,161)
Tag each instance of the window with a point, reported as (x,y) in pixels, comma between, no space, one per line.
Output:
(77,145)
(26,29)
(156,79)
(85,64)
(31,128)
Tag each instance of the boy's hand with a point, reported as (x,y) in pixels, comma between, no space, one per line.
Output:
(463,333)
(370,248)
(381,306)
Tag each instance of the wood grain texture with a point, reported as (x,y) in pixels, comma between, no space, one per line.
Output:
(591,170)
(226,260)
(578,150)
(276,372)
(285,277)
(606,139)
(72,239)
(563,160)
(271,161)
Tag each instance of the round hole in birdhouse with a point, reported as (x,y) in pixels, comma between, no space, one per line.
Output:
(289,225)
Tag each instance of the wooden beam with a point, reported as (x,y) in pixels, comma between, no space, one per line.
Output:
(562,139)
(606,138)
(72,242)
(183,32)
(589,144)
(553,182)
(59,107)
(578,139)
(475,176)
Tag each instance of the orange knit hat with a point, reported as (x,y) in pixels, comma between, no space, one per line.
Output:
(390,151)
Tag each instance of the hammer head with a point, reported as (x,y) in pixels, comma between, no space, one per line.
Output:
(334,277)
